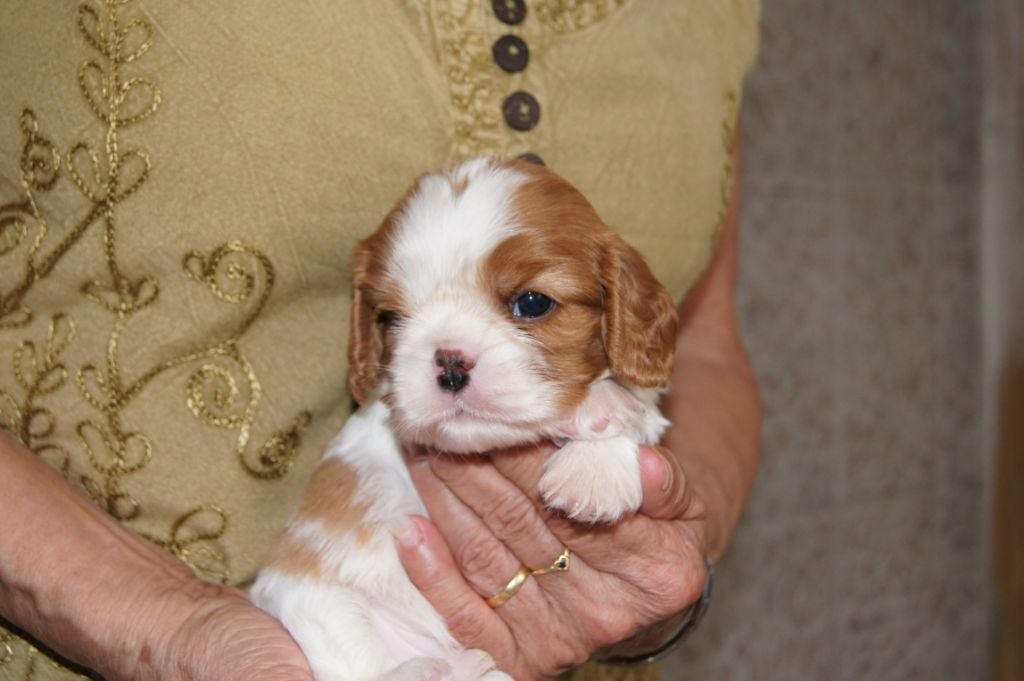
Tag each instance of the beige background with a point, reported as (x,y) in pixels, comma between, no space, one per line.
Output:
(862,554)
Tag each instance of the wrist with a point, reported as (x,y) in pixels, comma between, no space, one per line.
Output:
(79,582)
(123,622)
(152,643)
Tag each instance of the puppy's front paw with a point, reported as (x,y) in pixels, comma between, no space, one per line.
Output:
(593,481)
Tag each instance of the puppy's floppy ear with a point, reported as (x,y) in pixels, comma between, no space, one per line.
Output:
(639,318)
(365,338)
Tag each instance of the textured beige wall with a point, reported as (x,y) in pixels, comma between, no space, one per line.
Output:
(862,554)
(1002,239)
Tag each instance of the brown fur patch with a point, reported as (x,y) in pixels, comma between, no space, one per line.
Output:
(612,313)
(640,319)
(292,556)
(330,498)
(570,336)
(374,292)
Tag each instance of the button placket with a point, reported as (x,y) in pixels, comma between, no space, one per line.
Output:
(520,110)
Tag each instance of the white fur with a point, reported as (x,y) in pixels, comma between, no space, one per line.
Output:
(367,621)
(361,619)
(440,242)
(442,237)
(505,403)
(595,476)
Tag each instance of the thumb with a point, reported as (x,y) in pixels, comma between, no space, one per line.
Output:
(666,494)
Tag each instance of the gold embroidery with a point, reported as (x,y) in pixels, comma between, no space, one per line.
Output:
(221,388)
(39,373)
(467,29)
(113,456)
(113,453)
(278,453)
(40,169)
(566,16)
(6,647)
(227,393)
(234,272)
(14,650)
(468,63)
(193,539)
(223,391)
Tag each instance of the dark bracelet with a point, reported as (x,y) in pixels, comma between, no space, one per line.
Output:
(691,619)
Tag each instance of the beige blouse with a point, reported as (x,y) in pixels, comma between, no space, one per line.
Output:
(182,183)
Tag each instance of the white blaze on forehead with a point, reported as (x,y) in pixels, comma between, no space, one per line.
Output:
(451,223)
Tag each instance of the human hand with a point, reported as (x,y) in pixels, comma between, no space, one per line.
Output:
(623,578)
(224,637)
(106,599)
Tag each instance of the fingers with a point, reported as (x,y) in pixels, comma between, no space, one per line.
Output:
(490,513)
(613,548)
(484,561)
(666,494)
(432,569)
(492,531)
(519,635)
(513,516)
(524,467)
(639,570)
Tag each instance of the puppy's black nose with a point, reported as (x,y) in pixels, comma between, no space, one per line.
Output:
(455,368)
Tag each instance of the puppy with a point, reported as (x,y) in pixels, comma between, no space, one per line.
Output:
(492,308)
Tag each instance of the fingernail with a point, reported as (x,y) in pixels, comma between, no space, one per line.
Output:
(408,533)
(666,483)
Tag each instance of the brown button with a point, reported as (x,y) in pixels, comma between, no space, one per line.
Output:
(511,12)
(511,53)
(531,158)
(521,111)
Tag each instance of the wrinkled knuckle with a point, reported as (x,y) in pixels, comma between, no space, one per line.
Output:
(466,627)
(608,626)
(674,592)
(479,557)
(564,651)
(516,517)
(570,657)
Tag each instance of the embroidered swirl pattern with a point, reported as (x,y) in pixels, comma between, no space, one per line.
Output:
(218,384)
(223,389)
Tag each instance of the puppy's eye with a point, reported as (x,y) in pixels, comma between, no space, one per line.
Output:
(387,318)
(532,305)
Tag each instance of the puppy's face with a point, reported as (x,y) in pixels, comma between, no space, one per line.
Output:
(488,302)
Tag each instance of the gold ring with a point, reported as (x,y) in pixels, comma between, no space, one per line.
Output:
(511,589)
(561,564)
